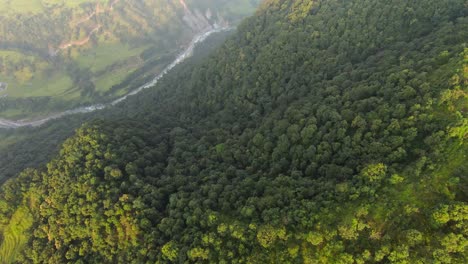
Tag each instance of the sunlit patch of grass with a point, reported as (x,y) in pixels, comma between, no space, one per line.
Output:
(38,86)
(102,56)
(21,6)
(14,234)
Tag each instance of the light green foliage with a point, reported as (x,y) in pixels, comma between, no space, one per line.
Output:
(396,179)
(374,172)
(170,251)
(314,238)
(198,254)
(267,235)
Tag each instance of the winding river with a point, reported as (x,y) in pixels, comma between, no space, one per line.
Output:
(5,123)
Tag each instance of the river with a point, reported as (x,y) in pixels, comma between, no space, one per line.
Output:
(5,123)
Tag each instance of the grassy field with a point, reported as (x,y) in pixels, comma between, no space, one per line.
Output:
(107,69)
(106,81)
(39,86)
(15,56)
(14,234)
(59,84)
(12,7)
(104,55)
(110,63)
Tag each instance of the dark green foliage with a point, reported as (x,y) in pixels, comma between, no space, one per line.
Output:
(322,132)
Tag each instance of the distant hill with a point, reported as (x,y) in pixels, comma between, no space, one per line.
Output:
(59,54)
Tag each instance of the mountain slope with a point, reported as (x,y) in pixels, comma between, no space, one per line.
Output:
(323,131)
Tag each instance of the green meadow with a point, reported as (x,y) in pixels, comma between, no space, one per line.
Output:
(15,234)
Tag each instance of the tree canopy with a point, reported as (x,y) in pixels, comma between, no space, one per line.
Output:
(321,132)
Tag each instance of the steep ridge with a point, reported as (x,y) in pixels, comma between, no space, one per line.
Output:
(322,132)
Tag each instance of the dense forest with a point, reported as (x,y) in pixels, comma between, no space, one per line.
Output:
(330,131)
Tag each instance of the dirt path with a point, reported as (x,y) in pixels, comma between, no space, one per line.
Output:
(80,42)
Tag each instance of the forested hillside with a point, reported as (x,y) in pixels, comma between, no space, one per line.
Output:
(321,132)
(28,147)
(58,54)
